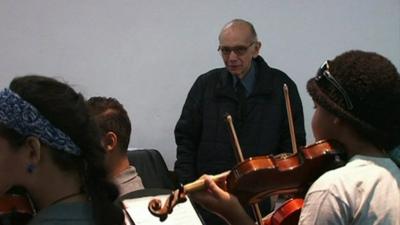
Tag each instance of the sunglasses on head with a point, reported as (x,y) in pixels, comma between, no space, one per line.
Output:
(324,74)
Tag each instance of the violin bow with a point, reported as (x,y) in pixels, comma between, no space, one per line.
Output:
(290,118)
(235,140)
(178,196)
(239,157)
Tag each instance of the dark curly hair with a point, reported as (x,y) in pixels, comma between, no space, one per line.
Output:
(372,83)
(66,110)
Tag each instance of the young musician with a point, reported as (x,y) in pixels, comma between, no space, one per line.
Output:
(356,97)
(50,146)
(115,131)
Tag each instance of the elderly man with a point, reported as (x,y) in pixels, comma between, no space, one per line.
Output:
(248,89)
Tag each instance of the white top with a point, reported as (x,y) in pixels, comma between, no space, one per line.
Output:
(365,191)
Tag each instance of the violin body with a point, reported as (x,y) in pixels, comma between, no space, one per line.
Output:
(287,214)
(259,177)
(15,210)
(266,175)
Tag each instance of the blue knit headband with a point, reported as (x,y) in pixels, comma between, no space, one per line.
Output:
(18,114)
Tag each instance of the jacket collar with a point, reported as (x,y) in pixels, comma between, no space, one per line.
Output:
(263,84)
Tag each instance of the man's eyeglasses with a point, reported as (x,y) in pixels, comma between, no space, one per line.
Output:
(238,50)
(323,73)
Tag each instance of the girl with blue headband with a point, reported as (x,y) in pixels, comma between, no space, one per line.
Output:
(50,147)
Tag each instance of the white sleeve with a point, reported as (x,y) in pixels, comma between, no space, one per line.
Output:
(322,207)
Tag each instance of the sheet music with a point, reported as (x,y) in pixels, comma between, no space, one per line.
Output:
(183,213)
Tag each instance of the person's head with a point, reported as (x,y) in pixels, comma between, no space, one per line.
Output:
(115,129)
(238,45)
(362,90)
(44,122)
(112,120)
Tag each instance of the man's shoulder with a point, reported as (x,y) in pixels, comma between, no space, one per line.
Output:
(210,77)
(277,76)
(273,72)
(212,74)
(282,75)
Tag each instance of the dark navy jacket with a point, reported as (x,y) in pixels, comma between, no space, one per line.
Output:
(202,137)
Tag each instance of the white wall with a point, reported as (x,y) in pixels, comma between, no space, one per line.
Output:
(147,53)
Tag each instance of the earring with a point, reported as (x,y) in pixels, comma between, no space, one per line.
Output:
(335,121)
(30,168)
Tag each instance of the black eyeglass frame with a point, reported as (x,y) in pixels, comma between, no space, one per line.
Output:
(323,72)
(238,50)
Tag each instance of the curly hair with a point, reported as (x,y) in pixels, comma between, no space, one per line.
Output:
(372,83)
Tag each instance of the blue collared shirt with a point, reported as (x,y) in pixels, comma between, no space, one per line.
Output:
(248,81)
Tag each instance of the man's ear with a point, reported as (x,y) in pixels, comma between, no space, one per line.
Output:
(257,48)
(33,148)
(109,141)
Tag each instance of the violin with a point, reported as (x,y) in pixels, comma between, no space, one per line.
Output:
(263,176)
(287,214)
(256,178)
(284,173)
(15,209)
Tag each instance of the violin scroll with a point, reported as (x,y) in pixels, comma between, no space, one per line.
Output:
(178,196)
(161,211)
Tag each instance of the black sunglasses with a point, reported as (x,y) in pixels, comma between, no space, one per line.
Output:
(323,73)
(238,50)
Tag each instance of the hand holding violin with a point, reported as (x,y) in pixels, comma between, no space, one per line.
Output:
(222,203)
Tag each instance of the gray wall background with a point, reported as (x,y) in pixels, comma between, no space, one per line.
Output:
(147,53)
